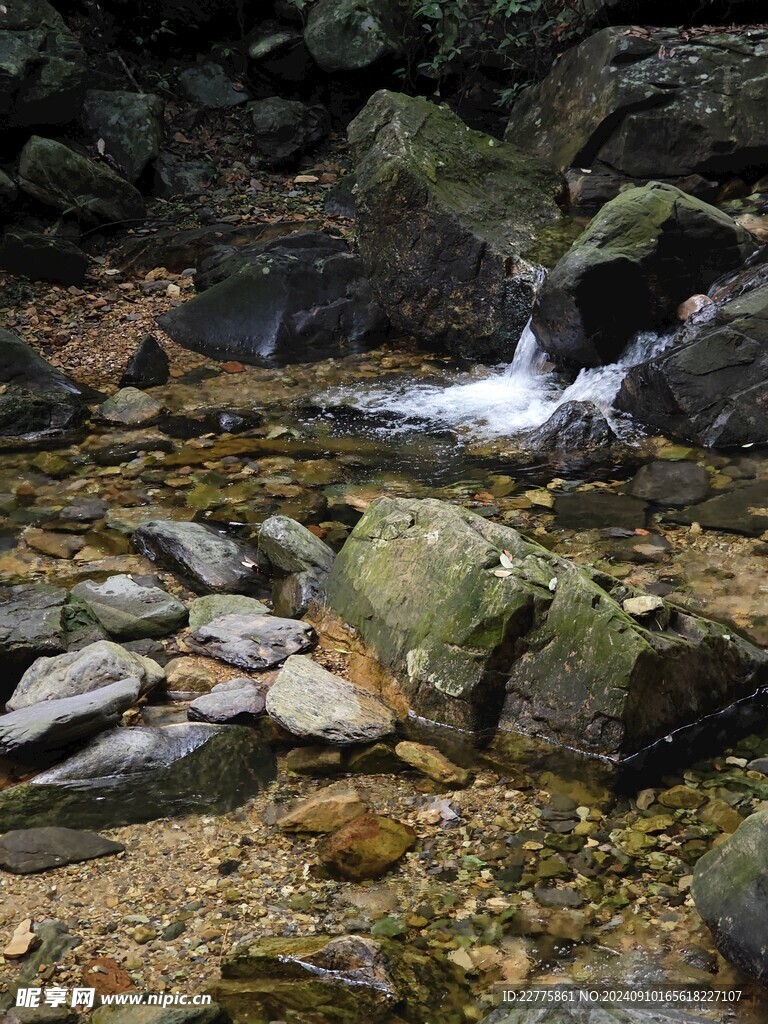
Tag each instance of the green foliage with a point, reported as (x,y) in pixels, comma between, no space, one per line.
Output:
(513,40)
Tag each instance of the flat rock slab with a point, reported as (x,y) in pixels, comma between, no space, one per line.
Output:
(129,611)
(254,642)
(204,609)
(309,701)
(671,483)
(82,671)
(324,812)
(596,510)
(208,561)
(32,622)
(238,701)
(139,774)
(28,850)
(432,763)
(53,724)
(742,510)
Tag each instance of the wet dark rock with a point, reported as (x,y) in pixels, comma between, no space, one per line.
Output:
(542,646)
(148,367)
(44,67)
(253,642)
(42,257)
(588,189)
(671,483)
(176,175)
(293,595)
(29,850)
(285,129)
(238,701)
(741,510)
(139,774)
(59,177)
(646,252)
(349,35)
(619,99)
(128,611)
(21,365)
(711,386)
(39,413)
(451,270)
(83,671)
(32,623)
(130,124)
(208,561)
(208,85)
(340,200)
(210,421)
(574,426)
(9,191)
(727,888)
(53,724)
(283,301)
(313,703)
(595,510)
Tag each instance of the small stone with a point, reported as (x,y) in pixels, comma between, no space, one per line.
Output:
(430,762)
(323,812)
(130,407)
(236,701)
(190,675)
(682,797)
(22,942)
(366,847)
(143,934)
(640,607)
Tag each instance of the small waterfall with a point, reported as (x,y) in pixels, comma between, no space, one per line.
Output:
(510,400)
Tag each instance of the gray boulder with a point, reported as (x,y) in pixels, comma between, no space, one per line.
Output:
(710,387)
(43,66)
(130,124)
(290,547)
(646,252)
(132,775)
(284,129)
(293,595)
(671,483)
(288,300)
(182,176)
(253,642)
(208,561)
(450,225)
(42,257)
(483,628)
(204,609)
(30,414)
(59,177)
(573,427)
(53,724)
(208,85)
(651,104)
(32,622)
(26,851)
(236,702)
(313,703)
(148,367)
(728,889)
(349,35)
(129,611)
(77,672)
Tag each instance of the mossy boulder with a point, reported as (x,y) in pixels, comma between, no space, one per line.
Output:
(450,221)
(646,251)
(482,628)
(651,104)
(350,35)
(729,886)
(130,125)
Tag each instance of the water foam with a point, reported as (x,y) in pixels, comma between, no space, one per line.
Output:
(508,400)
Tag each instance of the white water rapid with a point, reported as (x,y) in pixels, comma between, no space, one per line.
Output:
(508,400)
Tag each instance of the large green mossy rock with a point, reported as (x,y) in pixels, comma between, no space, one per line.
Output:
(130,125)
(349,35)
(450,223)
(482,627)
(729,887)
(647,251)
(651,104)
(345,978)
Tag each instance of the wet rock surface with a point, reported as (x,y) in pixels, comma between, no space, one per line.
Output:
(366,847)
(255,642)
(238,702)
(671,483)
(452,271)
(129,611)
(138,774)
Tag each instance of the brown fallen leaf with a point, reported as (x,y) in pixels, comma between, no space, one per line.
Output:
(24,940)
